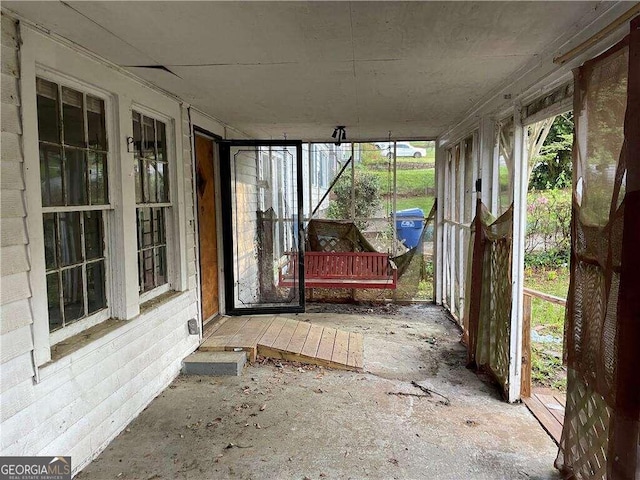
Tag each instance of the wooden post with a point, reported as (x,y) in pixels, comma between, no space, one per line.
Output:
(525,385)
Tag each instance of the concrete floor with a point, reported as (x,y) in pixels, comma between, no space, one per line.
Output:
(289,421)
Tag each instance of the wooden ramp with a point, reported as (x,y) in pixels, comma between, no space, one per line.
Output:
(287,339)
(548,407)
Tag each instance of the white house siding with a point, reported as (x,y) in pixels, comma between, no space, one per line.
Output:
(245,219)
(77,404)
(16,341)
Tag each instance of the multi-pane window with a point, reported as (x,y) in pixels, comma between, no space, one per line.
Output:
(152,198)
(73,177)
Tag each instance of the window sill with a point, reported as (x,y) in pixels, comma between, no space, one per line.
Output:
(157,301)
(76,342)
(70,350)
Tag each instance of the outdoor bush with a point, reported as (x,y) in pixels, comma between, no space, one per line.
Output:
(367,197)
(547,242)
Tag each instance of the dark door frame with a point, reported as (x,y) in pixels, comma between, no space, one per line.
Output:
(227,225)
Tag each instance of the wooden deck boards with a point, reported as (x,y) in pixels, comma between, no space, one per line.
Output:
(548,407)
(288,339)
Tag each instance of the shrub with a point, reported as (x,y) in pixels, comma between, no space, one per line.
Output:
(547,243)
(367,197)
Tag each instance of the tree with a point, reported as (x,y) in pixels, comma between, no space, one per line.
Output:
(367,197)
(553,165)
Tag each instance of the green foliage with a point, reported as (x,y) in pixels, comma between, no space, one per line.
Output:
(553,166)
(423,202)
(414,182)
(367,197)
(375,159)
(547,258)
(546,367)
(371,156)
(547,242)
(548,319)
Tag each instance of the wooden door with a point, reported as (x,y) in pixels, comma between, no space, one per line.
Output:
(207,233)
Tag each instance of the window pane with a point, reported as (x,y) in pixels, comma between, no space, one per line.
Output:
(93,241)
(72,117)
(70,243)
(144,177)
(153,184)
(51,175)
(95,287)
(96,123)
(53,299)
(75,177)
(161,141)
(49,220)
(147,270)
(162,182)
(161,265)
(48,113)
(98,178)
(149,136)
(72,294)
(145,228)
(137,167)
(158,226)
(148,182)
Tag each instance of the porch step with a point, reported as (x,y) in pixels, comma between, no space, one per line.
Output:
(214,363)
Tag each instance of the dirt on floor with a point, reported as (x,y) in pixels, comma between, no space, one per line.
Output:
(283,420)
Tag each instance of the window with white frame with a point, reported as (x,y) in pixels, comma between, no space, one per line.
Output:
(152,199)
(74,153)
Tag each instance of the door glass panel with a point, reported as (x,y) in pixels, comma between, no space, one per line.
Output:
(264,218)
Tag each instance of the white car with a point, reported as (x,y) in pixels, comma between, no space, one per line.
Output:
(403,149)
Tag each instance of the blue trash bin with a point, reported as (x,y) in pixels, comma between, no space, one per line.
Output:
(409,225)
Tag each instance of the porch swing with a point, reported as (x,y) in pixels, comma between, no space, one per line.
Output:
(338,256)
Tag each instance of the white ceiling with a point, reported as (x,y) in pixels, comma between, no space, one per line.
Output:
(300,68)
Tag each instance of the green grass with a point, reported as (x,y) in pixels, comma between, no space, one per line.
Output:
(548,316)
(409,182)
(546,367)
(373,157)
(425,203)
(548,319)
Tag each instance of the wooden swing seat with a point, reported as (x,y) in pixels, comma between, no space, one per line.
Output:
(341,270)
